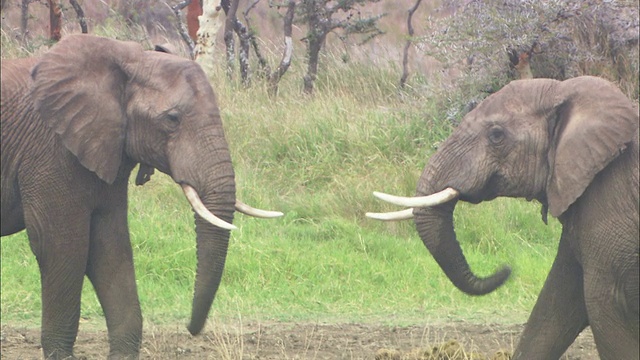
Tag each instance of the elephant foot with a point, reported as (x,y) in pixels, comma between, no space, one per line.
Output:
(62,355)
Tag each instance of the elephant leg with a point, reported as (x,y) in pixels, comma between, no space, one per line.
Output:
(613,318)
(61,251)
(111,272)
(559,314)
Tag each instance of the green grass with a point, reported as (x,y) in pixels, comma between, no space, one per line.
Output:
(301,268)
(318,158)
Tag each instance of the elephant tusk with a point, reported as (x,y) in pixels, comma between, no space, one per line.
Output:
(405,214)
(259,213)
(199,208)
(420,201)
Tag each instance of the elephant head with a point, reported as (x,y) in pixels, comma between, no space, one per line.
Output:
(539,139)
(151,108)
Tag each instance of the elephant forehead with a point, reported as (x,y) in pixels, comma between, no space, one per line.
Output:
(495,111)
(170,70)
(510,99)
(517,98)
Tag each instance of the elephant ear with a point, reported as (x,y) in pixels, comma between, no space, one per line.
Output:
(166,48)
(79,91)
(594,122)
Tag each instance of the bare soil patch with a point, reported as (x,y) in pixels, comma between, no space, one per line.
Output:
(275,340)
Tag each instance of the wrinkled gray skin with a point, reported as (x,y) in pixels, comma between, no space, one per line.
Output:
(75,122)
(573,146)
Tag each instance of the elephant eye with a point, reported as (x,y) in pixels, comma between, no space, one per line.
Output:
(173,118)
(496,135)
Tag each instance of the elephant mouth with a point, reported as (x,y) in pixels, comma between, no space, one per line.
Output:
(489,191)
(474,199)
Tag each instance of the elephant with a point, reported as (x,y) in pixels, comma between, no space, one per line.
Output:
(572,146)
(75,123)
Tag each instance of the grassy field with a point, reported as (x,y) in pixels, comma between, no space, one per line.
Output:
(318,158)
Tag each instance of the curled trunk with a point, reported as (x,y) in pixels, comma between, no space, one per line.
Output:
(435,227)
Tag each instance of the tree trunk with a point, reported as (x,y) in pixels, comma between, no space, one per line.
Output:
(24,18)
(407,45)
(210,23)
(230,8)
(193,11)
(315,45)
(55,20)
(243,52)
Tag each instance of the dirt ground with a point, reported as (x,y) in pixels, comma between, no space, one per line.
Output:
(297,341)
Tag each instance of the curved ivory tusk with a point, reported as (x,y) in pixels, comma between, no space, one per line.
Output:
(259,213)
(199,208)
(420,201)
(405,214)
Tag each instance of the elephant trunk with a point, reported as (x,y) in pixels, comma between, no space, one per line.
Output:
(212,244)
(435,227)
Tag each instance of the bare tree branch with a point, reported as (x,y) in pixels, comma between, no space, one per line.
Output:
(407,45)
(275,77)
(177,10)
(232,25)
(264,66)
(80,15)
(250,7)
